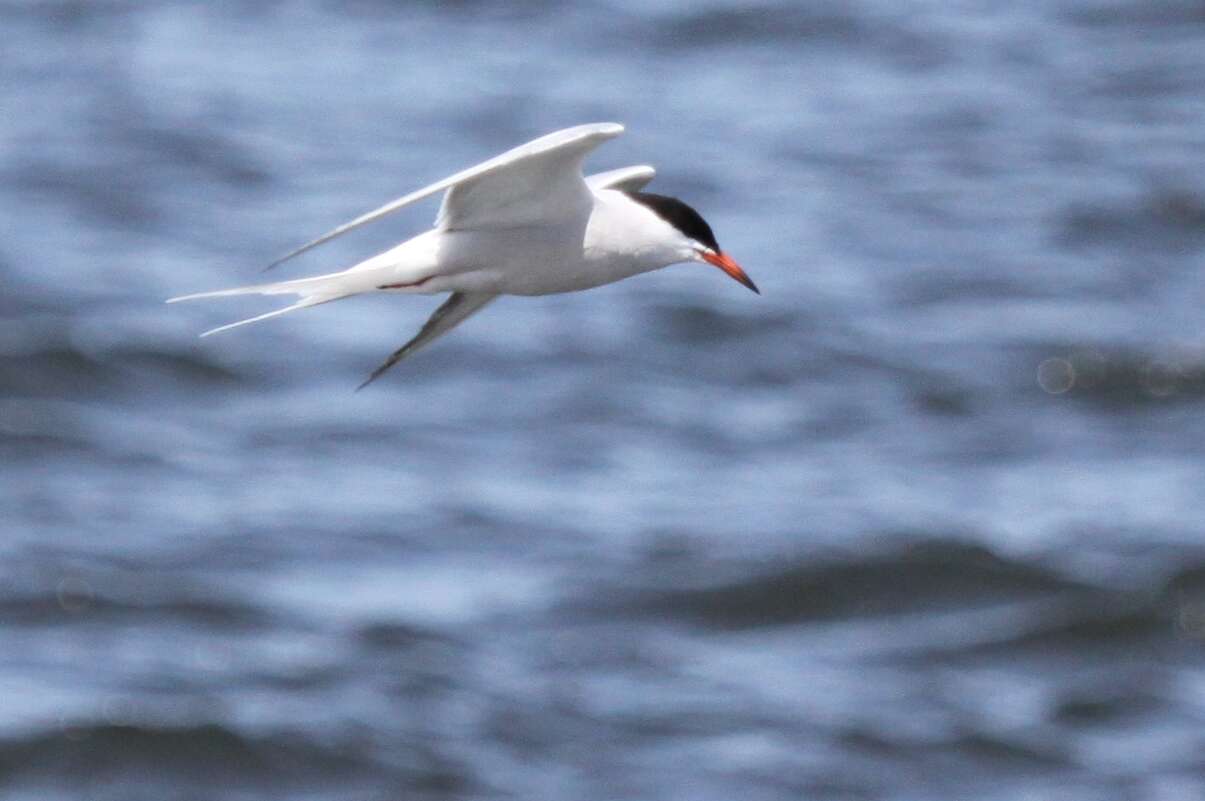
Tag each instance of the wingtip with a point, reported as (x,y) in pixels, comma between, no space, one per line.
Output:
(284,258)
(373,377)
(589,129)
(377,373)
(292,254)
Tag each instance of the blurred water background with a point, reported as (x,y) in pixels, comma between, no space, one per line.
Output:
(924,521)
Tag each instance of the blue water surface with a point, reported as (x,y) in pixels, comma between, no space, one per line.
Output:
(921,522)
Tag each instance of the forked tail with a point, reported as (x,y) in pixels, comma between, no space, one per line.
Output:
(312,292)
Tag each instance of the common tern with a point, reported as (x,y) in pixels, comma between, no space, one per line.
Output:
(523,223)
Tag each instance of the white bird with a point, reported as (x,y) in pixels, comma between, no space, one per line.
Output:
(522,223)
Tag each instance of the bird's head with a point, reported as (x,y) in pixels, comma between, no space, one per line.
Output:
(692,238)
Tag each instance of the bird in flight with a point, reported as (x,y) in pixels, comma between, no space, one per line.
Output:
(523,223)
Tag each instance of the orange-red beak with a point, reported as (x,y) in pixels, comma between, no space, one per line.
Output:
(725,263)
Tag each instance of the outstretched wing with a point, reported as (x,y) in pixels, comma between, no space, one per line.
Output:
(454,311)
(535,181)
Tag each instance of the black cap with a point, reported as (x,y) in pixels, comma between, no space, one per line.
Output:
(679,215)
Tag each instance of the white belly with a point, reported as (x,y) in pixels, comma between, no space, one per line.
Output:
(538,260)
